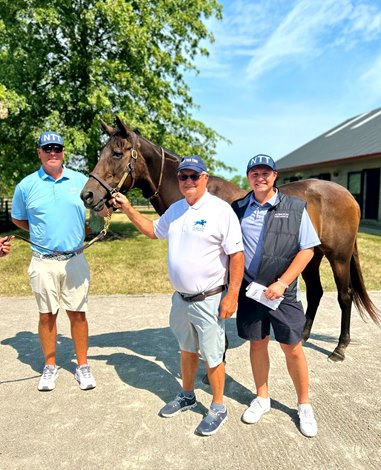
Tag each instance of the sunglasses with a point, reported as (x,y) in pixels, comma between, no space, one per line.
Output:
(193,177)
(50,148)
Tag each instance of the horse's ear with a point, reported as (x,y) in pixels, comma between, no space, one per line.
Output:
(123,129)
(106,128)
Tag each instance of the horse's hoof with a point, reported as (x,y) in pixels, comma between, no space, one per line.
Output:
(336,357)
(205,380)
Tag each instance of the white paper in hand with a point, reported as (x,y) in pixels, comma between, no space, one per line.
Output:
(256,291)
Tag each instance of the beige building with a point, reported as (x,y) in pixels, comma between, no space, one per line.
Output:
(349,154)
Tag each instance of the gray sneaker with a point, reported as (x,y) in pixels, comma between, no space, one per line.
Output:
(212,422)
(180,403)
(48,378)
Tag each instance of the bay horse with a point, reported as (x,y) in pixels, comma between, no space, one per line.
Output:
(130,160)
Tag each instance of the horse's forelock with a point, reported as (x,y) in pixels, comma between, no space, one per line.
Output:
(119,139)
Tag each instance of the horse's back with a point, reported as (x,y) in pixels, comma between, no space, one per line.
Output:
(333,210)
(225,190)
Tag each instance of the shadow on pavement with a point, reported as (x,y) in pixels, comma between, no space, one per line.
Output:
(151,361)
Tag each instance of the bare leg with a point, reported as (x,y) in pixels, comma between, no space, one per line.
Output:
(79,334)
(189,366)
(260,364)
(298,370)
(47,330)
(216,377)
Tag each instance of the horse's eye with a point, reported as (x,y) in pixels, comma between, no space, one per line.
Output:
(116,154)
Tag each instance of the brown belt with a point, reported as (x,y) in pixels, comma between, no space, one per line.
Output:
(202,295)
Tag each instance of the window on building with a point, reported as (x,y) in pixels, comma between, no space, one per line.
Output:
(355,185)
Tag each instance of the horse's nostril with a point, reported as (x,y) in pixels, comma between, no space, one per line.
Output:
(87,197)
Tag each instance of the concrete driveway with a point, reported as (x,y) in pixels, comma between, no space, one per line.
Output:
(134,358)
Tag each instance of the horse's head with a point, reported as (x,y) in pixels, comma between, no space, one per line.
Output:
(115,169)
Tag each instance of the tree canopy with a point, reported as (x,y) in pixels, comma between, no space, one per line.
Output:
(65,65)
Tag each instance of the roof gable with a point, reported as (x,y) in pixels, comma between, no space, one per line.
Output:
(355,137)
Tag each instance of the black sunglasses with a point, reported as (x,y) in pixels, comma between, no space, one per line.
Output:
(49,148)
(193,177)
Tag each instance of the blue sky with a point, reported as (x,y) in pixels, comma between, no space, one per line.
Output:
(282,72)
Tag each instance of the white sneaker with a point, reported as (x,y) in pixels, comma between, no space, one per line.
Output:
(308,425)
(48,378)
(258,407)
(84,377)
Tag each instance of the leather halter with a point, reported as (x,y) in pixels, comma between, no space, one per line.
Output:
(130,171)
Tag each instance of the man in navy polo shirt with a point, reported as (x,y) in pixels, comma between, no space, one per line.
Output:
(47,204)
(279,241)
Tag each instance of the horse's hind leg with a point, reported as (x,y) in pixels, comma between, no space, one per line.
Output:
(314,291)
(341,272)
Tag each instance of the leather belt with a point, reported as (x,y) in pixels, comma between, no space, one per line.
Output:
(52,256)
(202,295)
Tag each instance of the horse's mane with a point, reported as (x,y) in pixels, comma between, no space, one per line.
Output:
(159,147)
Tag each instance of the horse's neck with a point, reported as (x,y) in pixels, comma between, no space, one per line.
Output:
(159,204)
(159,183)
(167,194)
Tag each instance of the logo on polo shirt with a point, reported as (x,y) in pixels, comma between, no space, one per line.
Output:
(199,225)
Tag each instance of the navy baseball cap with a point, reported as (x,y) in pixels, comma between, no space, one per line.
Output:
(50,137)
(259,160)
(193,162)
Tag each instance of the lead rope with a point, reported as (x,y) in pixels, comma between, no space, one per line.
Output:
(100,235)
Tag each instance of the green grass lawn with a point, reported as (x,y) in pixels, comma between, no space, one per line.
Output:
(127,262)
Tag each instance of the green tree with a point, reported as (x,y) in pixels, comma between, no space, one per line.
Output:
(240,181)
(65,64)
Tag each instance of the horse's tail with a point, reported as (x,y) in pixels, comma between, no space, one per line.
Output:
(360,296)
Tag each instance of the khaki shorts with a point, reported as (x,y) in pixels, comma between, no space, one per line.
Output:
(60,284)
(198,328)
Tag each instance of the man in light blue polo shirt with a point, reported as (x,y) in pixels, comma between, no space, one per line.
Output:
(279,241)
(47,204)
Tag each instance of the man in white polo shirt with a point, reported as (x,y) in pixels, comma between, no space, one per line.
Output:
(204,244)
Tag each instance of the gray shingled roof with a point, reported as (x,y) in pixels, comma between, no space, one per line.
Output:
(355,137)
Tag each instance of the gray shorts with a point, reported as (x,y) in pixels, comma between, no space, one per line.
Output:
(198,328)
(60,284)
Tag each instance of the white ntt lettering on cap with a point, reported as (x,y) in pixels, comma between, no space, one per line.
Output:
(53,137)
(262,159)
